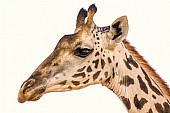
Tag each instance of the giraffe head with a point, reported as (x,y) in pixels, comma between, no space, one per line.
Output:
(79,60)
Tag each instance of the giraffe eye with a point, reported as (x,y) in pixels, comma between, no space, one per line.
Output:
(82,52)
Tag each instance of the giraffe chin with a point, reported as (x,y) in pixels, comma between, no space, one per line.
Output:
(35,98)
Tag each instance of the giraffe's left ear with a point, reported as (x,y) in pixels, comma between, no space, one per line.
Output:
(119,29)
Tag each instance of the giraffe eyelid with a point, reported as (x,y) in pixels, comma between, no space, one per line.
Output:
(82,52)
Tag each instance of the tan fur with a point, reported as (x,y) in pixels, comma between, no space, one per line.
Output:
(149,70)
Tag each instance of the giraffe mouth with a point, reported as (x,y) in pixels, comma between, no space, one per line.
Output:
(33,95)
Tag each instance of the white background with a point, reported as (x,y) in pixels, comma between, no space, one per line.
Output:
(30,29)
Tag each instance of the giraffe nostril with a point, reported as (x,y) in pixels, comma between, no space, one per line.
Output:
(27,85)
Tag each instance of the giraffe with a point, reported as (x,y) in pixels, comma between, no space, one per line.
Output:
(99,55)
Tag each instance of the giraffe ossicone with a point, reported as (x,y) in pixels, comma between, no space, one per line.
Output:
(99,55)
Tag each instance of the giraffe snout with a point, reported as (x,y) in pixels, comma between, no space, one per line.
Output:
(31,90)
(22,96)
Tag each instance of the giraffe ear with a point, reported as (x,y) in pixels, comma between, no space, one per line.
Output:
(119,29)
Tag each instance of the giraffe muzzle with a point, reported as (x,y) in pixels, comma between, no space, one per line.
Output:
(29,93)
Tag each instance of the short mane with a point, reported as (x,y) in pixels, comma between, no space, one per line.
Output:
(149,70)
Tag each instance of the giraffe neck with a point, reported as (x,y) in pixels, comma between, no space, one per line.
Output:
(135,88)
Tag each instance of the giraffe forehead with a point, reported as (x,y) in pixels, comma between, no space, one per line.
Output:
(85,42)
(67,42)
(83,39)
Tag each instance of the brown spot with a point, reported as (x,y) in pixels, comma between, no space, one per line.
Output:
(69,87)
(166,107)
(85,82)
(127,81)
(89,69)
(113,58)
(79,75)
(117,64)
(96,54)
(108,80)
(98,38)
(76,83)
(81,69)
(102,63)
(131,61)
(127,64)
(139,103)
(63,82)
(101,49)
(96,62)
(113,72)
(142,85)
(159,108)
(150,111)
(106,74)
(55,64)
(94,36)
(95,76)
(154,89)
(154,96)
(109,60)
(126,102)
(100,79)
(48,73)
